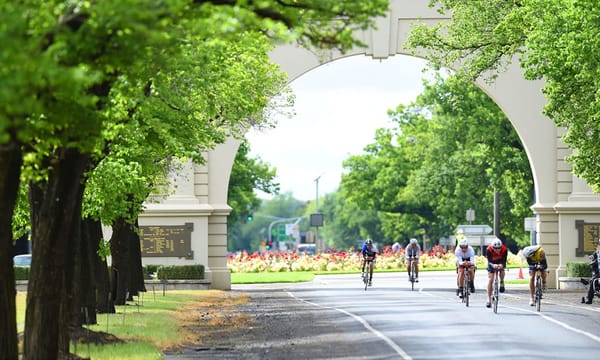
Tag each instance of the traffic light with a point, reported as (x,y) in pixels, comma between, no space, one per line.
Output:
(269,245)
(249,218)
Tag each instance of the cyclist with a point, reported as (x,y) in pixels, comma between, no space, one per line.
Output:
(465,256)
(595,266)
(369,252)
(496,254)
(412,252)
(535,255)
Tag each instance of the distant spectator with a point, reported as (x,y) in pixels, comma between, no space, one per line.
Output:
(396,247)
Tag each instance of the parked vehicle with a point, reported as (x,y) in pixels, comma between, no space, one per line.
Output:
(22,260)
(309,249)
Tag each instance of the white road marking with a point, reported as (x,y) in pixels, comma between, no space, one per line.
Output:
(377,333)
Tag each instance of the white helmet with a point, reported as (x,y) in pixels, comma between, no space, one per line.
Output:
(530,250)
(463,242)
(497,244)
(413,241)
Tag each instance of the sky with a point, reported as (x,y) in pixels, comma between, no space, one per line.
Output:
(338,107)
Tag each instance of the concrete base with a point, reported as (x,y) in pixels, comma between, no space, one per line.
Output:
(570,283)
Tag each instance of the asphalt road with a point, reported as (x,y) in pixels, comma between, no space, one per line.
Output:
(334,318)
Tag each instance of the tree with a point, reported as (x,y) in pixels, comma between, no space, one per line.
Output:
(467,150)
(70,83)
(247,174)
(553,40)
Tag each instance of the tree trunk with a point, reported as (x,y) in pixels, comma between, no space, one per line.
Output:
(10,171)
(136,277)
(119,250)
(91,237)
(53,210)
(128,279)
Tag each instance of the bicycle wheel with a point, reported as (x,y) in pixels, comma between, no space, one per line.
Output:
(495,297)
(412,275)
(538,292)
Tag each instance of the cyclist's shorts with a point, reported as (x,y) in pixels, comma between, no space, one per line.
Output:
(532,266)
(490,269)
(412,258)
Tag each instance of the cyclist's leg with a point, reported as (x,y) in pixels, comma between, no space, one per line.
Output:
(531,282)
(472,278)
(502,273)
(489,285)
(371,264)
(416,260)
(460,277)
(544,277)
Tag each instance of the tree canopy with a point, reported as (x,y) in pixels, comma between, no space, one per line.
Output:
(553,40)
(123,87)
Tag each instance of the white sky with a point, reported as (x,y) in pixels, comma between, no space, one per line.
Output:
(338,107)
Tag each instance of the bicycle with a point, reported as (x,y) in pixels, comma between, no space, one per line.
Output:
(365,273)
(538,287)
(466,285)
(495,291)
(411,275)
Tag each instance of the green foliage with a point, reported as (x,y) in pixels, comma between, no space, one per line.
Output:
(555,41)
(248,174)
(182,272)
(578,269)
(22,272)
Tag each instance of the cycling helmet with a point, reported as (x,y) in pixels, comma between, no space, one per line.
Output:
(530,250)
(413,241)
(497,244)
(369,242)
(463,242)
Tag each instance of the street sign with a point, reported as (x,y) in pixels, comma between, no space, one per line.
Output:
(470,215)
(445,241)
(475,229)
(529,224)
(281,236)
(482,240)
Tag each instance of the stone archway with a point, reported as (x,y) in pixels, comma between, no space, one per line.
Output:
(561,199)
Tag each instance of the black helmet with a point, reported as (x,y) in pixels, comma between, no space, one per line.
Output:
(369,242)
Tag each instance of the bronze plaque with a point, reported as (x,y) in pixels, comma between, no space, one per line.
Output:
(167,241)
(588,235)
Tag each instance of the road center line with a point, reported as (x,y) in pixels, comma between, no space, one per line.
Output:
(377,333)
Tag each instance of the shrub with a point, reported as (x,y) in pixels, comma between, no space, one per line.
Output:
(578,269)
(185,272)
(22,272)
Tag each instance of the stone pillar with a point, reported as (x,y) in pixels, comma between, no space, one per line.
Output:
(219,162)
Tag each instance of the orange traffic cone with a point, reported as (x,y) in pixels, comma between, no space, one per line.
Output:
(521,273)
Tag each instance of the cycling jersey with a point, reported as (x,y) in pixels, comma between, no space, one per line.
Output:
(412,251)
(366,252)
(494,257)
(462,256)
(538,257)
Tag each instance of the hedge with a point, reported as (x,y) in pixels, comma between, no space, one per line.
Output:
(184,272)
(578,269)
